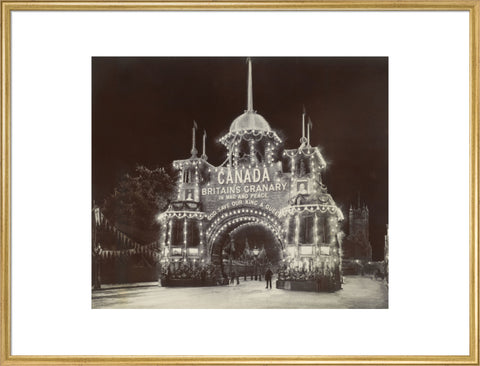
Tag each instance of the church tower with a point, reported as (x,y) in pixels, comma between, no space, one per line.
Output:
(357,244)
(358,221)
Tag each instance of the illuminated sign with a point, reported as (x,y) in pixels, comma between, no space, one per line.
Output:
(176,251)
(250,183)
(324,250)
(252,188)
(306,249)
(243,176)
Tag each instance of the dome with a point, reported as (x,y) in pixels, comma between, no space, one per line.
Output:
(250,120)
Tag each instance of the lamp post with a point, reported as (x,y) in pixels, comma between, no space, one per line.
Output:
(262,263)
(255,253)
(251,272)
(244,267)
(97,253)
(261,270)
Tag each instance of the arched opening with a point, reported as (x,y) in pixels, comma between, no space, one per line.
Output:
(246,250)
(245,243)
(245,240)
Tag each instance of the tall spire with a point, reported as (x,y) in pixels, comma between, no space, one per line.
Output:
(204,155)
(303,123)
(303,139)
(194,150)
(309,127)
(250,92)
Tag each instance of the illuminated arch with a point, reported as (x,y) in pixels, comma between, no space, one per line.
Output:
(229,219)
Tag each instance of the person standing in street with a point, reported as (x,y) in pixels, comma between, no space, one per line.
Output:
(268,277)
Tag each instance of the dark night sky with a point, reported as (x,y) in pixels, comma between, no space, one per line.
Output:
(143,108)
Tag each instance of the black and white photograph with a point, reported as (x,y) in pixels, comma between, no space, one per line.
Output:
(240,183)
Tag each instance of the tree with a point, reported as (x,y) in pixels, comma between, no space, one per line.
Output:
(137,200)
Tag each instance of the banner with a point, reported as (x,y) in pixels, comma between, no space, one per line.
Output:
(130,247)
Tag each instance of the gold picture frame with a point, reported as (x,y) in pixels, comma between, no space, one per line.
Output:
(471,6)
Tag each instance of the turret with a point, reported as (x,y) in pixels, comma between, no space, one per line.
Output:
(250,140)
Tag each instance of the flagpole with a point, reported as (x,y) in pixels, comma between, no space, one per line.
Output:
(303,139)
(309,126)
(193,138)
(194,150)
(308,134)
(204,155)
(204,136)
(303,123)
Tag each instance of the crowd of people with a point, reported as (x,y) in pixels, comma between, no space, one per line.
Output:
(208,273)
(188,272)
(213,274)
(303,274)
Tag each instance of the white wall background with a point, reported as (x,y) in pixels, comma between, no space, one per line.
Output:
(51,195)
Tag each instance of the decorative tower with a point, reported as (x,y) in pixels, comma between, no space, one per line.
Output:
(182,243)
(250,141)
(312,219)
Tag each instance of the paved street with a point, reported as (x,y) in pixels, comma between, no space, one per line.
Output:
(357,293)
